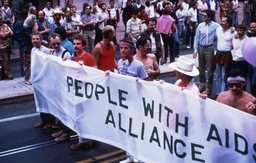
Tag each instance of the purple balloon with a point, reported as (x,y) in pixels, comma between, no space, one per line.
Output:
(249,50)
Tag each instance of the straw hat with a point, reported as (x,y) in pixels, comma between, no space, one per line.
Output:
(185,66)
(57,10)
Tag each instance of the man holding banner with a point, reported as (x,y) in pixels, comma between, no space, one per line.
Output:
(236,96)
(83,58)
(129,65)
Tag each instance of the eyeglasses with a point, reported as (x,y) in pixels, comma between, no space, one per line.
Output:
(231,85)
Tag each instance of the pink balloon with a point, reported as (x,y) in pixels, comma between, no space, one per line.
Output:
(249,50)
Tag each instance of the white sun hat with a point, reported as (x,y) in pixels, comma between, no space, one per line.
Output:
(185,66)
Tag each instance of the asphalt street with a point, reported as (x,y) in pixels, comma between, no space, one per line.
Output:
(21,142)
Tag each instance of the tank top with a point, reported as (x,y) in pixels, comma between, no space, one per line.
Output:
(107,58)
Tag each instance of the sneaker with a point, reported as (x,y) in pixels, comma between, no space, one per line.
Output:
(57,134)
(62,138)
(127,160)
(188,47)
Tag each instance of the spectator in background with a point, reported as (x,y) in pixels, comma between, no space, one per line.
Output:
(252,69)
(157,44)
(247,8)
(127,14)
(7,13)
(238,61)
(142,15)
(203,46)
(89,21)
(57,15)
(42,26)
(8,18)
(150,9)
(202,7)
(192,23)
(104,51)
(213,5)
(113,18)
(102,20)
(175,34)
(148,59)
(223,56)
(27,30)
(225,8)
(97,6)
(134,26)
(158,4)
(84,9)
(17,32)
(181,16)
(234,12)
(48,10)
(137,4)
(166,26)
(75,17)
(72,27)
(69,5)
(5,41)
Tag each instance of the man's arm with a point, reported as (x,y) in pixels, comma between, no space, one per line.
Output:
(196,42)
(97,53)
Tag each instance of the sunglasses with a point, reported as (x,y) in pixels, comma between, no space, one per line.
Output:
(231,85)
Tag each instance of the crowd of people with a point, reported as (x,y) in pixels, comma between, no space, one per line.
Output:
(153,33)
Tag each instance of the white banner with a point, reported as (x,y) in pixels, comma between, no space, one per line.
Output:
(154,122)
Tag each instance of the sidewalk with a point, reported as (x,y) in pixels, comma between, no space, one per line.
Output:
(16,89)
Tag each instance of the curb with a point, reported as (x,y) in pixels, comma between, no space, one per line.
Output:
(17,99)
(15,90)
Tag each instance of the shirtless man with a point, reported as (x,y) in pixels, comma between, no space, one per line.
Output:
(143,46)
(236,96)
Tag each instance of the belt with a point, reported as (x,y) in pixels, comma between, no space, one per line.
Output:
(205,46)
(223,51)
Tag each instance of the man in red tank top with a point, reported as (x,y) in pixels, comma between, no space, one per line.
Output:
(104,51)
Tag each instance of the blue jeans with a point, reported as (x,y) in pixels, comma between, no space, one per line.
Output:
(220,74)
(234,18)
(181,29)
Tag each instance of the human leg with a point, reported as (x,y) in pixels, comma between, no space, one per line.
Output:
(201,68)
(27,62)
(210,66)
(165,41)
(5,64)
